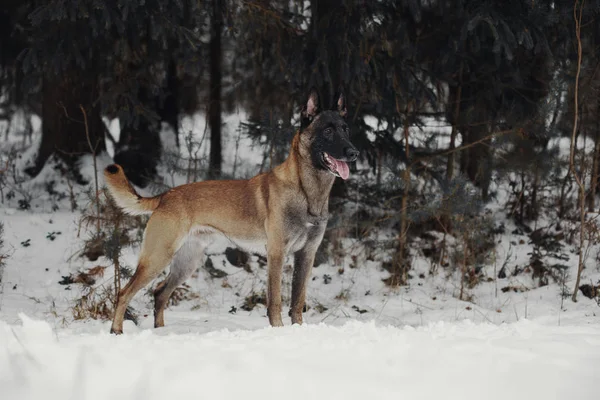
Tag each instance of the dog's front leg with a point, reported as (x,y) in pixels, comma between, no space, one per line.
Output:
(303,263)
(275,256)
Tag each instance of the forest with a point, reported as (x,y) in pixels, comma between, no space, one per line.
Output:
(474,197)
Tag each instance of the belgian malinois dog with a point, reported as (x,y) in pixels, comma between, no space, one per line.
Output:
(277,213)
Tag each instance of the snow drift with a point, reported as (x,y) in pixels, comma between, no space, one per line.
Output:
(463,360)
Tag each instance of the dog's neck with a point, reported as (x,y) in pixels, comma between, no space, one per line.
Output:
(315,183)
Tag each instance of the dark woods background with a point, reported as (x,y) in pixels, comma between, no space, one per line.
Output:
(499,75)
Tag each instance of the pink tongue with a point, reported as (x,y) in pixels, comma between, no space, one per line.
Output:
(342,168)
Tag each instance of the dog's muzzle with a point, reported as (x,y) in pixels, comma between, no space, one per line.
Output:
(351,154)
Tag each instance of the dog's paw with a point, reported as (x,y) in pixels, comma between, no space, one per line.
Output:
(115,331)
(275,322)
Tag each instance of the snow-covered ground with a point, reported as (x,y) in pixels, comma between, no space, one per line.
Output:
(464,360)
(361,339)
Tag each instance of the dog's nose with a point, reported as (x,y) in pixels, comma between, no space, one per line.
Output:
(352,153)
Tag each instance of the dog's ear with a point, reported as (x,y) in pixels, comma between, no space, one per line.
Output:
(341,105)
(312,105)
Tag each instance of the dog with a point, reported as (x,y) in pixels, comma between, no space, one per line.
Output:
(280,212)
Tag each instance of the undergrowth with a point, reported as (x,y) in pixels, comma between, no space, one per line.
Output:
(107,235)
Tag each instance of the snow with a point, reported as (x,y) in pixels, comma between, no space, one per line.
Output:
(361,339)
(355,361)
(418,342)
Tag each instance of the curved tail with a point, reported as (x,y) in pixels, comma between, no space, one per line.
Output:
(125,195)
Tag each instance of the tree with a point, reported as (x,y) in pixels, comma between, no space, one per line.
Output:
(216,81)
(114,58)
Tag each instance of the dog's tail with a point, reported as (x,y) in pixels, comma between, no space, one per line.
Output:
(125,195)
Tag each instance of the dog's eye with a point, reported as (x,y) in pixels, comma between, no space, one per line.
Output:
(328,133)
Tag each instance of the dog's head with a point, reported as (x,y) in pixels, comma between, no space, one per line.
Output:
(326,136)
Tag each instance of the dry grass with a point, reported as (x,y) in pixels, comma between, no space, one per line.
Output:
(95,303)
(253,299)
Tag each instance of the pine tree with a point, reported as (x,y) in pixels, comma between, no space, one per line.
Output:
(113,58)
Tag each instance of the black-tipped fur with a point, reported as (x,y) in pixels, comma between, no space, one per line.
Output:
(112,169)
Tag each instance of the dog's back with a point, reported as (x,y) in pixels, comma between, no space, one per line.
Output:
(277,213)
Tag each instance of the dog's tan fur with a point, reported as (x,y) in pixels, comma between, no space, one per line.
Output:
(276,213)
(255,210)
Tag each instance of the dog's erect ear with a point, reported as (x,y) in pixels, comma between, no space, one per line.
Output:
(312,105)
(341,105)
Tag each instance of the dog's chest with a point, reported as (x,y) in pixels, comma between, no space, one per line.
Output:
(305,230)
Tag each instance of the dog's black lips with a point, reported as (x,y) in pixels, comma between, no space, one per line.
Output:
(328,164)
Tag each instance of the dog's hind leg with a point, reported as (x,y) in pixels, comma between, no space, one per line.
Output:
(185,262)
(163,237)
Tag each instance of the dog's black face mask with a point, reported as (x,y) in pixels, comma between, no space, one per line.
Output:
(330,147)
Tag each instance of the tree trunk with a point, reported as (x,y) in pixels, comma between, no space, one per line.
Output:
(455,119)
(580,179)
(327,58)
(329,35)
(596,153)
(139,148)
(596,160)
(476,160)
(379,155)
(168,107)
(214,106)
(63,129)
(401,265)
(282,140)
(324,40)
(534,212)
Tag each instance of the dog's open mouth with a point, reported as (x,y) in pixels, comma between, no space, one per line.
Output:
(336,167)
